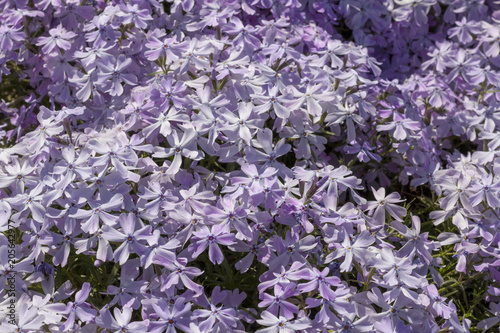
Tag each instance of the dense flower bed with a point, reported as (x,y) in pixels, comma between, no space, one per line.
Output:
(249,165)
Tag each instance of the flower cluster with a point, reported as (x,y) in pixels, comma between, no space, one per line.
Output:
(268,166)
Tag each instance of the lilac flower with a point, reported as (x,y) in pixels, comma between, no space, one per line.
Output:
(163,123)
(311,97)
(364,152)
(465,30)
(9,35)
(274,101)
(417,242)
(271,151)
(437,302)
(129,291)
(168,93)
(217,317)
(72,166)
(303,131)
(336,181)
(458,189)
(227,212)
(160,198)
(294,273)
(61,256)
(242,126)
(91,54)
(244,34)
(29,319)
(254,249)
(31,202)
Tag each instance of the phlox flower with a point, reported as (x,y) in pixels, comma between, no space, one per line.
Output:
(79,308)
(277,304)
(320,281)
(179,273)
(346,113)
(29,319)
(98,212)
(186,146)
(218,317)
(229,212)
(121,321)
(384,204)
(170,48)
(353,247)
(400,127)
(171,317)
(281,324)
(128,236)
(59,38)
(292,248)
(219,234)
(112,74)
(487,189)
(132,14)
(397,270)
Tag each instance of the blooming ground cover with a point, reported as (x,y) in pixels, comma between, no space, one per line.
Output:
(249,166)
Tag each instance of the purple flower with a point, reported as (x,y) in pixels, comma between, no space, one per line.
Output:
(98,212)
(397,270)
(121,321)
(115,73)
(79,308)
(281,324)
(180,274)
(169,48)
(485,189)
(171,317)
(219,234)
(228,212)
(386,204)
(353,248)
(128,236)
(184,147)
(277,304)
(292,249)
(59,38)
(132,14)
(217,317)
(346,113)
(321,282)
